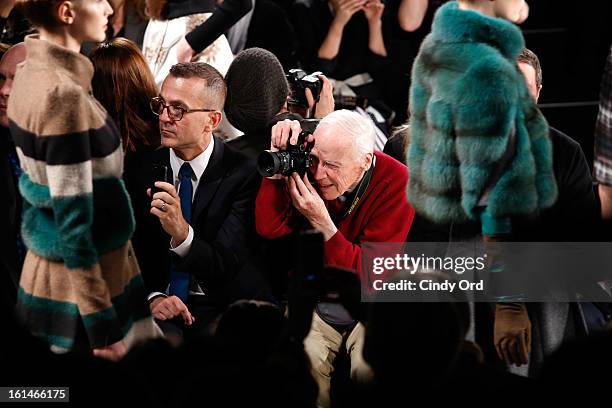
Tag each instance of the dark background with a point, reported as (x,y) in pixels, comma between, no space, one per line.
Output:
(572,40)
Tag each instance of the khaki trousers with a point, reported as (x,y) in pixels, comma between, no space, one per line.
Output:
(323,344)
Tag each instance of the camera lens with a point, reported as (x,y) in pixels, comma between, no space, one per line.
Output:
(271,163)
(268,163)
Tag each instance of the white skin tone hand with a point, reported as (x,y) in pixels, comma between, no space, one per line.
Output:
(114,352)
(373,10)
(171,218)
(308,202)
(303,195)
(167,308)
(283,133)
(286,132)
(345,10)
(184,52)
(326,102)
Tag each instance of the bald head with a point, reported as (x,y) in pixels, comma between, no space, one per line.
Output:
(8,65)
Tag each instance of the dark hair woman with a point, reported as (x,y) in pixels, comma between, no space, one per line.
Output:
(123,83)
(79,272)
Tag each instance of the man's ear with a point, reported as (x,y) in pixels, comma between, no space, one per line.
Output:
(368,160)
(65,12)
(538,94)
(215,118)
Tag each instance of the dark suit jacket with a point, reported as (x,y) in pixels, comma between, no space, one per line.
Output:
(10,213)
(223,224)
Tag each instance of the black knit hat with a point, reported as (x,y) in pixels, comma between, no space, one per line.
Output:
(256,89)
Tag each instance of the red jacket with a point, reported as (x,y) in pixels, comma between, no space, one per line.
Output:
(383,215)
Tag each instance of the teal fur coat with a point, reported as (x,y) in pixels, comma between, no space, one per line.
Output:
(466,99)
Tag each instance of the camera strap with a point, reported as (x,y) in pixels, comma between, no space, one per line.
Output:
(359,192)
(313,111)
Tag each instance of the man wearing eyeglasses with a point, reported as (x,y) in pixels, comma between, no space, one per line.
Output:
(206,214)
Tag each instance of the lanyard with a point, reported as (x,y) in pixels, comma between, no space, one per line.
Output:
(359,192)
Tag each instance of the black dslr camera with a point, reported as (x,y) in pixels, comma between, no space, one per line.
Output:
(295,159)
(298,81)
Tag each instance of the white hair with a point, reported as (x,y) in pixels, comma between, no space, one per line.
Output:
(359,129)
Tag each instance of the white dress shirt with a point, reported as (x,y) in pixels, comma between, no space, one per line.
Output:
(198,165)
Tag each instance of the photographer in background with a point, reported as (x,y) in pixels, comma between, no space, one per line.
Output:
(257,93)
(356,195)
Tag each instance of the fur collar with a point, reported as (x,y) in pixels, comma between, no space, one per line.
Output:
(452,25)
(54,57)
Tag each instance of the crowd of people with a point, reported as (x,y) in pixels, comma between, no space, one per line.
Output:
(185,213)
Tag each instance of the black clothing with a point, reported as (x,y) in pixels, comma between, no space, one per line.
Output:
(10,210)
(396,147)
(223,224)
(402,47)
(493,382)
(151,254)
(2,25)
(224,16)
(253,143)
(267,270)
(577,204)
(180,8)
(312,19)
(256,89)
(14,28)
(271,29)
(574,216)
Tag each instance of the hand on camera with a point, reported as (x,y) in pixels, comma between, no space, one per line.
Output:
(286,132)
(283,133)
(326,103)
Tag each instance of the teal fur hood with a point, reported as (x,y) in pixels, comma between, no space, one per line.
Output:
(467,97)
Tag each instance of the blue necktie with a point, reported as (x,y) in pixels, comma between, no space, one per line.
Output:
(179,280)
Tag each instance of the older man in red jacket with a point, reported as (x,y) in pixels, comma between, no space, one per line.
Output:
(356,195)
